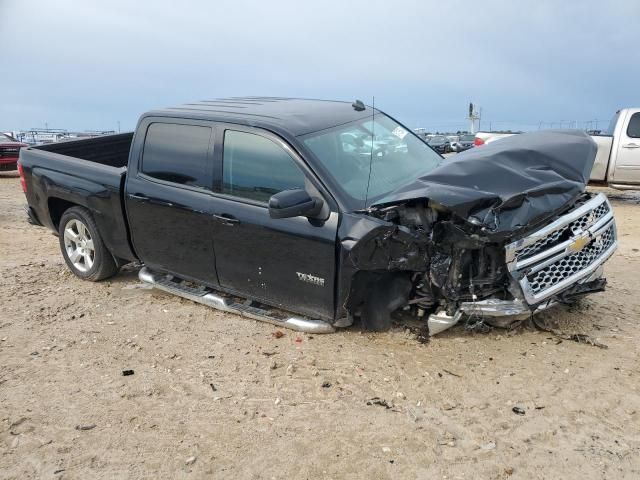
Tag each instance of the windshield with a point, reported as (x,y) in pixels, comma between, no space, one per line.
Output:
(437,140)
(5,138)
(394,155)
(467,138)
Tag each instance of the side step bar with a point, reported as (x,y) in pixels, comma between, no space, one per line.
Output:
(206,296)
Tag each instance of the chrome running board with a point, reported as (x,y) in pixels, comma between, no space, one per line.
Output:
(210,298)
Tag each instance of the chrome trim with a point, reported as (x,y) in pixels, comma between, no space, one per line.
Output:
(495,308)
(208,297)
(562,247)
(561,222)
(592,234)
(533,298)
(521,269)
(440,321)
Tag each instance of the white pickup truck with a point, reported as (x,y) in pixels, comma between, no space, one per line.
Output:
(617,162)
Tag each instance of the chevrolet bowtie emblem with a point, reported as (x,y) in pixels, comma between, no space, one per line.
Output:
(579,243)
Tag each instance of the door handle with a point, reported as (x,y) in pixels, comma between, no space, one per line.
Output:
(226,219)
(142,198)
(631,145)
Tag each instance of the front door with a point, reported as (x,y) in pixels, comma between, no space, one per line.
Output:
(169,201)
(288,263)
(628,159)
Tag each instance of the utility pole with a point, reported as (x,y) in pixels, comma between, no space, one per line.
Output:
(474,115)
(118,126)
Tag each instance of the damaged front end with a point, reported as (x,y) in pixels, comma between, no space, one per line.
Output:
(493,236)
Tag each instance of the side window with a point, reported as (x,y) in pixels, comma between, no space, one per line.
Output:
(633,130)
(255,167)
(178,153)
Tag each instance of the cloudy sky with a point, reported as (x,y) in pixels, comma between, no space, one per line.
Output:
(89,64)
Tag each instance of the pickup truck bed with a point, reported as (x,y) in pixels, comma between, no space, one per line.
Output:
(90,173)
(112,150)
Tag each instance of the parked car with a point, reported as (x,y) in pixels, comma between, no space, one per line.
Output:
(9,152)
(617,162)
(440,144)
(464,142)
(268,209)
(482,138)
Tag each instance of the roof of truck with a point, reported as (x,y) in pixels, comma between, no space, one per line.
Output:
(298,116)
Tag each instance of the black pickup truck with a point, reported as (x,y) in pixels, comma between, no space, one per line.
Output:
(331,210)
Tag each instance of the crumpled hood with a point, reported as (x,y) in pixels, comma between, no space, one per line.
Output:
(511,184)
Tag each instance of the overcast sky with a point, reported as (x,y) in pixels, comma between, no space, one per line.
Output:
(89,64)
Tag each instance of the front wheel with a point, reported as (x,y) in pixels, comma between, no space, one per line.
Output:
(82,247)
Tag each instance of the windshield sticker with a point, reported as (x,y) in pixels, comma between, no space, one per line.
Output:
(400,132)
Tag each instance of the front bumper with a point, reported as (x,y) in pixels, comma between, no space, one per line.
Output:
(551,266)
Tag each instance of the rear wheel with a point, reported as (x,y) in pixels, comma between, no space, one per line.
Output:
(83,248)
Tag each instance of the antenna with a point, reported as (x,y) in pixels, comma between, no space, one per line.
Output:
(373,136)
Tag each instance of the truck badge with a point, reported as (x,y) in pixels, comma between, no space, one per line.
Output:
(307,277)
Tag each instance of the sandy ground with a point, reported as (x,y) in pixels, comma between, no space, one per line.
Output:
(215,395)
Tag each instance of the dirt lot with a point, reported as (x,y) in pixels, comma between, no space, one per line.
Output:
(298,406)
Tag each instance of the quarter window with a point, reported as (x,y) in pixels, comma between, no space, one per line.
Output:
(633,130)
(255,167)
(178,154)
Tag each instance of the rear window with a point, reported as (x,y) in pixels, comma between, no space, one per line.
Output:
(633,130)
(178,153)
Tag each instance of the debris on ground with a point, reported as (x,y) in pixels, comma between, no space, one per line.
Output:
(190,461)
(277,334)
(326,385)
(414,414)
(379,401)
(90,426)
(452,373)
(582,338)
(213,387)
(447,439)
(518,410)
(488,446)
(574,337)
(126,373)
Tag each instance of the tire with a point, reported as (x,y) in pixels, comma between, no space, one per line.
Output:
(78,233)
(384,297)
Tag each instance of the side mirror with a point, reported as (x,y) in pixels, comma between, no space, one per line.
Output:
(294,203)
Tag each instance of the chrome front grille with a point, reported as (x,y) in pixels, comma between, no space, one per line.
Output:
(564,252)
(572,264)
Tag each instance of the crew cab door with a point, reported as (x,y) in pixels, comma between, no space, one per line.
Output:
(169,198)
(627,169)
(288,262)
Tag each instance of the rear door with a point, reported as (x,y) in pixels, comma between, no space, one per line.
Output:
(290,262)
(627,169)
(169,198)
